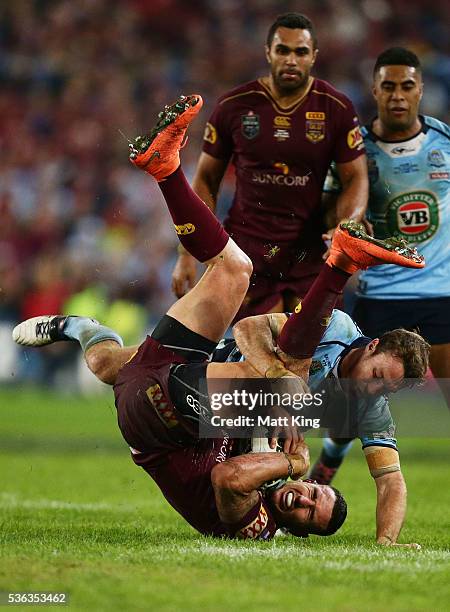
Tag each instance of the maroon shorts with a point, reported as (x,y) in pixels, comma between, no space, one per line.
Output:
(147,419)
(279,268)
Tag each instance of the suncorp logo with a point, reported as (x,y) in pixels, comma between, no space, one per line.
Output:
(286,180)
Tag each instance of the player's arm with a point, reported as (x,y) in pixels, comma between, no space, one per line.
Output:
(384,466)
(256,338)
(207,178)
(206,183)
(237,480)
(352,201)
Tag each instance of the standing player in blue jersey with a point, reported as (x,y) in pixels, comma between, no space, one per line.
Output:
(409,173)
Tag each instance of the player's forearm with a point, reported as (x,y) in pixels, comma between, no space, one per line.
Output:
(249,472)
(207,190)
(255,339)
(352,202)
(391,506)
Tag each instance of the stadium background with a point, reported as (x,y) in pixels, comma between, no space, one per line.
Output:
(80,229)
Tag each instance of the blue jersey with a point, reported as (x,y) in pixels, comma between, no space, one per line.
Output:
(342,335)
(410,197)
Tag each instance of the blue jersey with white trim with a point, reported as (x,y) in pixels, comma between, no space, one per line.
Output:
(341,335)
(409,197)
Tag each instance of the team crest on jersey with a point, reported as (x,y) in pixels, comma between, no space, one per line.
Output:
(414,216)
(436,158)
(315,128)
(250,125)
(210,134)
(162,406)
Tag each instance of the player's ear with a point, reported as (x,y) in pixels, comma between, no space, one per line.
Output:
(267,50)
(315,52)
(373,345)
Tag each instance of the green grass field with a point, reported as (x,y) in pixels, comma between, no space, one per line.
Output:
(78,516)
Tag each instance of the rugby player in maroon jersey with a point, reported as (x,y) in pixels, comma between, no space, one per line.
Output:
(280,132)
(216,490)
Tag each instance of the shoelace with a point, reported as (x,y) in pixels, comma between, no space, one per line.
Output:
(42,329)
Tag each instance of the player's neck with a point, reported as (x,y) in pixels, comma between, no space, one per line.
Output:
(283,98)
(385,133)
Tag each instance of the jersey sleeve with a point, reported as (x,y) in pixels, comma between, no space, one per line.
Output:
(257,524)
(348,141)
(377,426)
(217,138)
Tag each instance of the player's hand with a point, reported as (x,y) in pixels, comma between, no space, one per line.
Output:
(285,429)
(384,541)
(184,274)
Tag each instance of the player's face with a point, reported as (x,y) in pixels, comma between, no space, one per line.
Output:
(303,507)
(377,373)
(397,91)
(291,57)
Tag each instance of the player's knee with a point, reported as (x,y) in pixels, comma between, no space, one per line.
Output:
(99,363)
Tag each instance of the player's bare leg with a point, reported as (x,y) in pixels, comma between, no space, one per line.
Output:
(352,249)
(103,348)
(211,305)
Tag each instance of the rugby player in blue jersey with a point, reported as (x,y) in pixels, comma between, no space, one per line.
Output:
(409,173)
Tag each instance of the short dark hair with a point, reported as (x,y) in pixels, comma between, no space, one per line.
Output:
(397,56)
(411,348)
(338,515)
(292,21)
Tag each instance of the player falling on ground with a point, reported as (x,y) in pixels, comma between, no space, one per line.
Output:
(280,132)
(409,197)
(216,491)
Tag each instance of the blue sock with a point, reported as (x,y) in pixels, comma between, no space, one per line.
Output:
(335,451)
(89,332)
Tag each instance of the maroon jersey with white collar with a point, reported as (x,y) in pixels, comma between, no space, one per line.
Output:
(281,155)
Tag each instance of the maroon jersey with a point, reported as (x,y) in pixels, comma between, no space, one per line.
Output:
(184,477)
(281,155)
(161,442)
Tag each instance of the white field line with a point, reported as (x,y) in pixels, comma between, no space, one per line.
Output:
(9,500)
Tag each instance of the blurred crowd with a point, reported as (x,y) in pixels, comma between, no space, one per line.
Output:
(80,229)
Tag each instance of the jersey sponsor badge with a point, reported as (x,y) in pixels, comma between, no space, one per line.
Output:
(250,125)
(354,138)
(436,158)
(439,176)
(210,134)
(414,216)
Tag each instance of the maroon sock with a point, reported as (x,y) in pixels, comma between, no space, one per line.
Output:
(199,231)
(303,331)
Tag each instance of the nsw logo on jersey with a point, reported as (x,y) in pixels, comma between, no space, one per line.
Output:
(414,216)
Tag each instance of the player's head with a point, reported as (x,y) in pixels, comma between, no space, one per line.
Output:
(305,507)
(397,359)
(397,88)
(291,50)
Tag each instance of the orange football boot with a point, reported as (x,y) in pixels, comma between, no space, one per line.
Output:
(352,249)
(158,152)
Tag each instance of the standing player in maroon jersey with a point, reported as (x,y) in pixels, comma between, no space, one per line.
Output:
(281,132)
